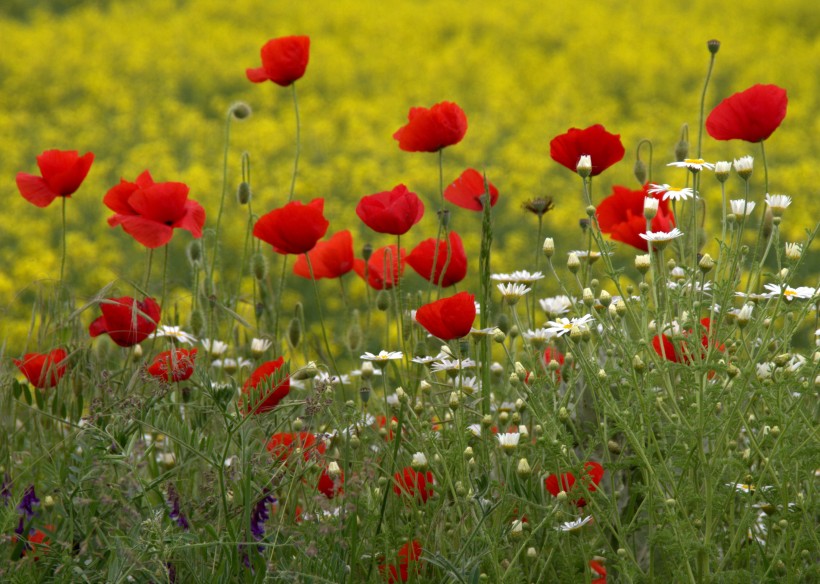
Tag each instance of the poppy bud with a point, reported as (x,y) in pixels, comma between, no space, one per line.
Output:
(259,266)
(354,334)
(241,110)
(503,323)
(364,393)
(195,253)
(640,171)
(197,323)
(367,251)
(294,332)
(768,223)
(713,46)
(681,150)
(583,224)
(444,217)
(383,301)
(243,193)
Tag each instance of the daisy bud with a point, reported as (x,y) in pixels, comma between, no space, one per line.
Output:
(259,266)
(523,470)
(640,171)
(573,263)
(706,263)
(650,207)
(532,553)
(713,46)
(561,496)
(419,462)
(520,370)
(333,470)
(613,447)
(514,380)
(520,405)
(383,300)
(487,421)
(243,193)
(549,247)
(294,332)
(240,110)
(298,424)
(575,333)
(468,453)
(638,364)
(517,530)
(460,489)
(454,401)
(722,169)
(136,352)
(588,297)
(499,336)
(584,166)
(605,298)
(744,166)
(194,251)
(497,369)
(401,394)
(642,263)
(563,414)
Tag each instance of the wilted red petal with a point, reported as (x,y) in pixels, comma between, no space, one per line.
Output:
(751,115)
(603,148)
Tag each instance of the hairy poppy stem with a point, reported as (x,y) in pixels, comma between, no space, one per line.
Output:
(298,143)
(222,200)
(148,268)
(703,102)
(322,318)
(62,260)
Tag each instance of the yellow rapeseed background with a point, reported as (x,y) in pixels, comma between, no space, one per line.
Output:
(147,83)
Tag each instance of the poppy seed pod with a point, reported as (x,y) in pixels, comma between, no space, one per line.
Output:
(383,301)
(241,110)
(243,193)
(367,251)
(713,45)
(195,253)
(294,332)
(259,266)
(640,171)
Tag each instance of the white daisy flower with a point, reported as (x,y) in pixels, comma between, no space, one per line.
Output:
(789,293)
(661,237)
(563,326)
(583,254)
(327,378)
(174,333)
(419,461)
(669,192)
(474,429)
(574,525)
(778,203)
(584,166)
(508,440)
(742,207)
(513,292)
(231,365)
(722,169)
(764,370)
(744,166)
(693,164)
(423,359)
(453,365)
(259,346)
(556,306)
(382,356)
(794,251)
(541,335)
(744,488)
(518,277)
(469,385)
(214,347)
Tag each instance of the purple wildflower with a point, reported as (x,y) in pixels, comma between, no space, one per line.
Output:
(261,514)
(30,500)
(176,513)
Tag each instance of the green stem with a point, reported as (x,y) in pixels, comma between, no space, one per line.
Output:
(148,269)
(703,102)
(222,199)
(322,318)
(298,143)
(62,260)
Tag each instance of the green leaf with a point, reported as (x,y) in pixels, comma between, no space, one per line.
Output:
(27,394)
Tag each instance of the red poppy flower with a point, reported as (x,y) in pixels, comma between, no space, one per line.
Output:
(175,365)
(393,212)
(421,259)
(63,171)
(381,421)
(149,212)
(448,318)
(593,473)
(126,321)
(666,348)
(621,216)
(430,130)
(411,483)
(264,396)
(751,115)
(603,148)
(284,60)
(294,228)
(43,369)
(330,487)
(379,274)
(599,569)
(283,444)
(36,538)
(330,259)
(467,190)
(408,557)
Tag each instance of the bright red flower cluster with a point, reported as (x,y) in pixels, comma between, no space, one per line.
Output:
(621,216)
(62,172)
(448,318)
(593,473)
(393,212)
(466,191)
(416,485)
(430,130)
(330,259)
(43,369)
(125,320)
(329,486)
(408,557)
(173,366)
(149,212)
(294,228)
(284,61)
(603,148)
(430,256)
(680,354)
(284,444)
(751,115)
(259,387)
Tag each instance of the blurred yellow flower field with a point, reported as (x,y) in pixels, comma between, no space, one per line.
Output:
(147,84)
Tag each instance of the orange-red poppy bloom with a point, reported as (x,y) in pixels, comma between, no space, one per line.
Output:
(377,272)
(262,393)
(593,473)
(621,216)
(409,482)
(43,369)
(429,257)
(751,115)
(603,148)
(448,318)
(127,321)
(284,60)
(174,365)
(430,130)
(294,228)
(466,191)
(62,172)
(332,258)
(393,212)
